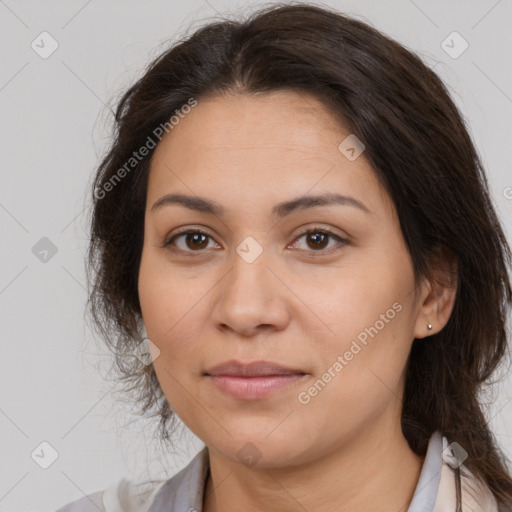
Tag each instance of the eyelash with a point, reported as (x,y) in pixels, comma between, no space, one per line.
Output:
(167,243)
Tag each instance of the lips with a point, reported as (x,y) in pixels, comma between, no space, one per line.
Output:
(252,369)
(256,380)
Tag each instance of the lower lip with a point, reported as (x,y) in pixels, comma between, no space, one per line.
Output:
(253,388)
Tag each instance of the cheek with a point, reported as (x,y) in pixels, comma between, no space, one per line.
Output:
(169,323)
(171,305)
(344,302)
(358,380)
(165,296)
(366,338)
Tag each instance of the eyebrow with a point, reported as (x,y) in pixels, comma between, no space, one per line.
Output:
(280,210)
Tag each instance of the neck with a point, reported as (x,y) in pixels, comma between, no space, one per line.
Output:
(370,472)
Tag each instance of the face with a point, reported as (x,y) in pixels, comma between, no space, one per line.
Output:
(336,305)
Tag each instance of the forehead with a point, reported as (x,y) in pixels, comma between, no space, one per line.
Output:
(286,118)
(256,146)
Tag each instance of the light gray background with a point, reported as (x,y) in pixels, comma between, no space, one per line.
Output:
(53,134)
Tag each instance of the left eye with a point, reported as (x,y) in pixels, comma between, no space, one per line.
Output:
(317,240)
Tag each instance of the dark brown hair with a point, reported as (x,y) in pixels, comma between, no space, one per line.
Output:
(419,146)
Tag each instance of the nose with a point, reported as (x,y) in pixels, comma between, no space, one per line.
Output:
(251,297)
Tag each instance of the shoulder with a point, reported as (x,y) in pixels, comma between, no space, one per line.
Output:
(183,491)
(475,494)
(90,503)
(124,495)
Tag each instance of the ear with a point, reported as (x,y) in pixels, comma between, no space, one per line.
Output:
(437,295)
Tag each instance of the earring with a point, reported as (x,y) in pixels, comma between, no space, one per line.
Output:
(429,327)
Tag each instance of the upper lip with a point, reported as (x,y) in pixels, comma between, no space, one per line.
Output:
(251,369)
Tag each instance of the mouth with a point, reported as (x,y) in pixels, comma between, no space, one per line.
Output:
(253,381)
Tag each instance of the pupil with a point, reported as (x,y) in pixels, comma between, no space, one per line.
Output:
(194,238)
(318,237)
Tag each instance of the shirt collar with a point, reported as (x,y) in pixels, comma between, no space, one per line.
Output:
(185,490)
(425,494)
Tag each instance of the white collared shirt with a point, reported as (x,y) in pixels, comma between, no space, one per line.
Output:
(435,490)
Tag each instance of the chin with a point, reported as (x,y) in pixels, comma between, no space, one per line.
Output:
(262,452)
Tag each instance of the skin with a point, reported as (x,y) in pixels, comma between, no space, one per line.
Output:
(297,304)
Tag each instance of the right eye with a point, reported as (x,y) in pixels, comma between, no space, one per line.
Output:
(194,240)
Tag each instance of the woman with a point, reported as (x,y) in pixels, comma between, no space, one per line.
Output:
(294,213)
